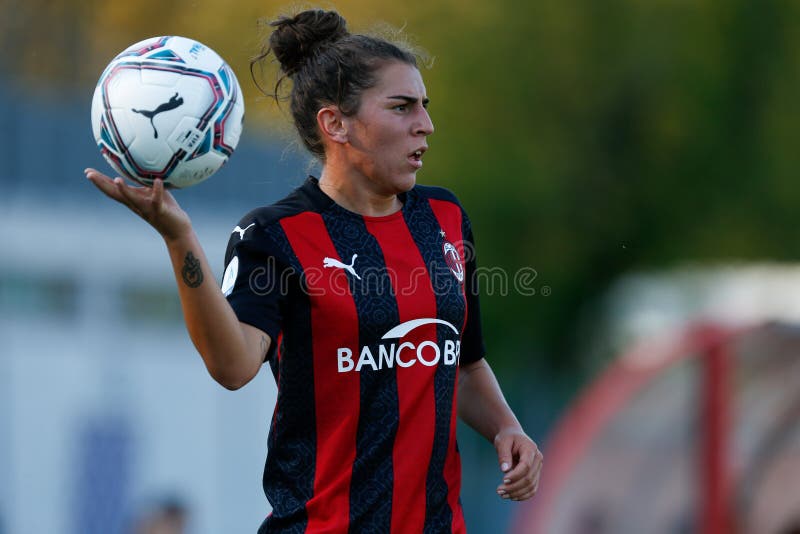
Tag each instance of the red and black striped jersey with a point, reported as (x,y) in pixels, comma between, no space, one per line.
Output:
(369,318)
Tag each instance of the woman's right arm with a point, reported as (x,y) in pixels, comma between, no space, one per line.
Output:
(232,351)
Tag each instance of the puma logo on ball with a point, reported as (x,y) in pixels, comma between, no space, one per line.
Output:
(172,103)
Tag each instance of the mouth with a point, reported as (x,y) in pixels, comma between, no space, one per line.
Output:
(415,158)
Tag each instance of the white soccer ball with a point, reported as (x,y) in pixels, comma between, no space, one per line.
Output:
(169,108)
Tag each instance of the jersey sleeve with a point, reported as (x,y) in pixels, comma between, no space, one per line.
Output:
(472,345)
(252,279)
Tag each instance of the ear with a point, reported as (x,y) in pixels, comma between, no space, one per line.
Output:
(331,124)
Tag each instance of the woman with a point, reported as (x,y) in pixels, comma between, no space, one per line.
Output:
(354,288)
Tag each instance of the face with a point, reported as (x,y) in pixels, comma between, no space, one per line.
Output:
(386,139)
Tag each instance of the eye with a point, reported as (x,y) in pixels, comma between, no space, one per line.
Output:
(401,107)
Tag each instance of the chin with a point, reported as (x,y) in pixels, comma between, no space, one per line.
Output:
(405,183)
(394,184)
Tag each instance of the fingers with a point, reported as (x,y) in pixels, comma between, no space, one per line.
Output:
(104,184)
(525,496)
(522,480)
(154,204)
(138,199)
(131,197)
(529,460)
(526,486)
(158,193)
(504,455)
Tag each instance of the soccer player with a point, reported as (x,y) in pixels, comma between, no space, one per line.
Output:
(357,289)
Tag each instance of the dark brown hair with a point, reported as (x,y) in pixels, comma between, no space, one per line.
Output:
(327,66)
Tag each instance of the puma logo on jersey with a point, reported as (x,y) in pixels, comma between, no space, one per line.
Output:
(332,262)
(172,103)
(242,230)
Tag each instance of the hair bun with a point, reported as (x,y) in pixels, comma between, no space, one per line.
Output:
(295,39)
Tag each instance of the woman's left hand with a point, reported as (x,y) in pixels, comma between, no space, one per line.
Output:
(521,462)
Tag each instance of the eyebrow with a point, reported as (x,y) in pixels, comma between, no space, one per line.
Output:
(410,99)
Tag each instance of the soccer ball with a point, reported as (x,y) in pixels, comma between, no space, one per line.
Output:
(169,108)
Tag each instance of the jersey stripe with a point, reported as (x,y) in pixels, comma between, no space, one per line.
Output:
(415,434)
(450,221)
(373,471)
(427,236)
(332,310)
(289,468)
(274,364)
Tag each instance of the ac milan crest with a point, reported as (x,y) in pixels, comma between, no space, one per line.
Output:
(453,260)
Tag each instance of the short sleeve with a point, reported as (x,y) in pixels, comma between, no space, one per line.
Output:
(252,279)
(472,345)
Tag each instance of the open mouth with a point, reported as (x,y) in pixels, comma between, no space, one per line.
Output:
(416,157)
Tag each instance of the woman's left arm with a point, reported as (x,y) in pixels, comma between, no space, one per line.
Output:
(482,406)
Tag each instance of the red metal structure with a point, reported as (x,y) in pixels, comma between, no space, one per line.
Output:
(680,434)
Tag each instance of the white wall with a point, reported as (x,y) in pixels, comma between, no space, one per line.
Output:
(62,373)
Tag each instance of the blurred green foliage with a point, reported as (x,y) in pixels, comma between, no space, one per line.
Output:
(587,139)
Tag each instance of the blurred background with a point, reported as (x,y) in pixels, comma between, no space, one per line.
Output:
(629,169)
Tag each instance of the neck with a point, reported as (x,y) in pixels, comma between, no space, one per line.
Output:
(358,194)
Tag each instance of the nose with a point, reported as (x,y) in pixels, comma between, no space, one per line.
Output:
(425,125)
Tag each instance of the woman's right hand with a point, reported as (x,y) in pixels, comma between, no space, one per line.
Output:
(153,204)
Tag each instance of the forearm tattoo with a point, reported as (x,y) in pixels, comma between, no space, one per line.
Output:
(192,272)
